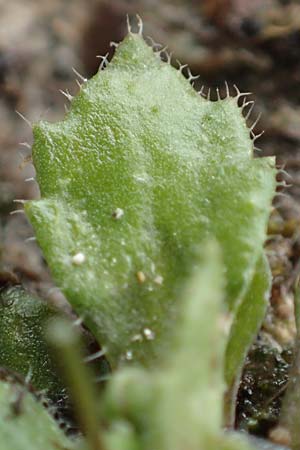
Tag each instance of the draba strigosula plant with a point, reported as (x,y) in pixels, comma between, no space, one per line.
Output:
(140,172)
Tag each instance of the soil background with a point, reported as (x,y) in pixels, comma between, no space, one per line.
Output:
(254,45)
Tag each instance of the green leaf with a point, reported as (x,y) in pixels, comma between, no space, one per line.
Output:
(245,326)
(137,175)
(23,347)
(178,405)
(24,422)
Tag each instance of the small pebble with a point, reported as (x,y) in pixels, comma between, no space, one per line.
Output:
(284,334)
(280,435)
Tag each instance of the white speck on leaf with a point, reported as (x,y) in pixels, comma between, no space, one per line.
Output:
(137,338)
(118,213)
(141,277)
(149,334)
(158,280)
(78,259)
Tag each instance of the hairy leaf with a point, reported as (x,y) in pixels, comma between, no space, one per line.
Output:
(141,171)
(23,347)
(24,422)
(179,405)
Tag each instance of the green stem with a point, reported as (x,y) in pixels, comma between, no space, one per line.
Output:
(66,343)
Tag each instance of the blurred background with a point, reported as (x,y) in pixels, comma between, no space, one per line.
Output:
(253,44)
